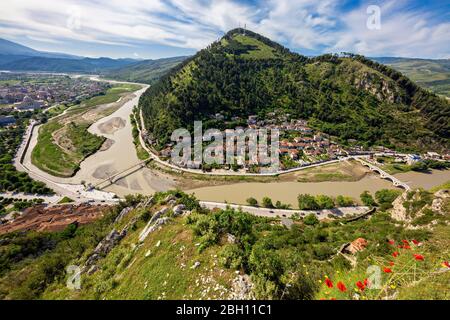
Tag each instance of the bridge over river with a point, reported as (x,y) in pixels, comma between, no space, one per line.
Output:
(383,174)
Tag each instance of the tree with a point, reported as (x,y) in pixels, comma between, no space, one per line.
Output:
(307,202)
(387,196)
(342,201)
(367,199)
(325,202)
(311,220)
(252,202)
(267,202)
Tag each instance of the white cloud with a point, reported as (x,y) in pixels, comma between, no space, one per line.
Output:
(300,24)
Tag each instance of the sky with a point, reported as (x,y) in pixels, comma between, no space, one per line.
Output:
(150,29)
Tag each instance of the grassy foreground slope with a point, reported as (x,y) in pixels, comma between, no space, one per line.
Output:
(230,254)
(64,142)
(348,96)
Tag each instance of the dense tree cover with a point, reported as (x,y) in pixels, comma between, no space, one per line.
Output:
(10,179)
(349,97)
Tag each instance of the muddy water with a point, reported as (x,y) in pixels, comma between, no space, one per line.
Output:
(425,180)
(287,192)
(120,156)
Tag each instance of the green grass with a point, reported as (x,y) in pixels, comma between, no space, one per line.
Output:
(120,280)
(441,187)
(112,95)
(261,51)
(50,158)
(65,200)
(321,177)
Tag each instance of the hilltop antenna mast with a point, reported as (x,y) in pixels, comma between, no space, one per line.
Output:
(245,28)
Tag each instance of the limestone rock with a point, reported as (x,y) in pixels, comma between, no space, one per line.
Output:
(178,210)
(356,246)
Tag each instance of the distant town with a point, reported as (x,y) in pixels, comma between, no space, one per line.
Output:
(30,92)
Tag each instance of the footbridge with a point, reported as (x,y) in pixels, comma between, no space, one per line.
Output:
(383,174)
(120,175)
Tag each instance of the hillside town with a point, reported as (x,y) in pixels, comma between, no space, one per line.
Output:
(300,146)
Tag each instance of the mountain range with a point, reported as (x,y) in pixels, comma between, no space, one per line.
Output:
(429,73)
(347,96)
(16,57)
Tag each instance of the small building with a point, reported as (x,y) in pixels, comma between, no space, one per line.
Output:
(433,155)
(412,158)
(7,120)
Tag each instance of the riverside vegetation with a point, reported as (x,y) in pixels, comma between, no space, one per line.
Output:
(197,254)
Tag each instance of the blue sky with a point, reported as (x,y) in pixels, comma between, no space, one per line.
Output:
(163,28)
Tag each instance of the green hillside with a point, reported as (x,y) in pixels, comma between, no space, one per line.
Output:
(227,254)
(349,96)
(430,74)
(148,71)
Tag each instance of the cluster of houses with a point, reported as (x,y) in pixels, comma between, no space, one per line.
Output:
(34,92)
(304,145)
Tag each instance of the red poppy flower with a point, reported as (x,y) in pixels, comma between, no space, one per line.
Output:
(360,285)
(366,282)
(333,299)
(391,263)
(391,242)
(405,241)
(415,242)
(419,257)
(446,263)
(407,247)
(387,270)
(395,254)
(329,283)
(341,286)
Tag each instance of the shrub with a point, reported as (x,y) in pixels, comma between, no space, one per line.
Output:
(267,202)
(307,202)
(252,202)
(367,199)
(311,220)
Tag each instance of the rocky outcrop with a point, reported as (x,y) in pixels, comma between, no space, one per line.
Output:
(154,223)
(399,212)
(242,288)
(442,197)
(356,246)
(122,214)
(179,209)
(103,248)
(152,228)
(377,86)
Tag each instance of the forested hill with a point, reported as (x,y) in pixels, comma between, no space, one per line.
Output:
(347,96)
